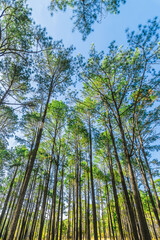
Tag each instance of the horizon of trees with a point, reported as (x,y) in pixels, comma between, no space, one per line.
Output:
(82,167)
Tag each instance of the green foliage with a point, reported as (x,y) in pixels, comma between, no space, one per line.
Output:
(16,28)
(86,12)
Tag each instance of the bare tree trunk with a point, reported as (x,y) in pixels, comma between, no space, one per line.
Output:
(8,196)
(69,213)
(60,238)
(92,185)
(44,201)
(39,197)
(115,193)
(141,216)
(149,171)
(29,171)
(130,209)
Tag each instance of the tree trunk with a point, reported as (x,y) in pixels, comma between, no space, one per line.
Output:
(44,201)
(58,213)
(92,185)
(39,197)
(69,213)
(149,171)
(130,209)
(115,193)
(109,211)
(61,227)
(142,169)
(8,196)
(142,220)
(29,171)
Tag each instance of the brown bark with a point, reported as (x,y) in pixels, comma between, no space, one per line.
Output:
(115,192)
(130,209)
(44,201)
(39,197)
(141,216)
(29,171)
(8,196)
(92,185)
(149,171)
(69,212)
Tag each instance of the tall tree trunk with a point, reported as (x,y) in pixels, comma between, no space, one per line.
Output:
(44,201)
(88,213)
(92,185)
(109,210)
(141,216)
(149,171)
(153,226)
(7,215)
(77,188)
(115,193)
(58,213)
(8,196)
(98,213)
(80,202)
(61,227)
(74,216)
(39,197)
(29,171)
(130,209)
(142,169)
(103,220)
(54,200)
(69,212)
(21,229)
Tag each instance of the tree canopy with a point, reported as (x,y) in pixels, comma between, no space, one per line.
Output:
(82,166)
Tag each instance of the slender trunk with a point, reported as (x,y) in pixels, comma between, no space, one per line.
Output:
(103,220)
(109,210)
(28,220)
(6,217)
(54,201)
(44,201)
(142,169)
(22,226)
(60,237)
(142,220)
(80,203)
(149,171)
(77,189)
(115,193)
(92,185)
(130,209)
(86,210)
(39,197)
(29,171)
(69,213)
(8,196)
(58,213)
(9,219)
(74,216)
(153,226)
(98,213)
(24,220)
(87,203)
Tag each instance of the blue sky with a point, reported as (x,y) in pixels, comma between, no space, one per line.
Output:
(112,27)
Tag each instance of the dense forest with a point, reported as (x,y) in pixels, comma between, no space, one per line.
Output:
(82,168)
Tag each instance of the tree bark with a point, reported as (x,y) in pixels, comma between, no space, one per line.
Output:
(8,196)
(29,171)
(92,184)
